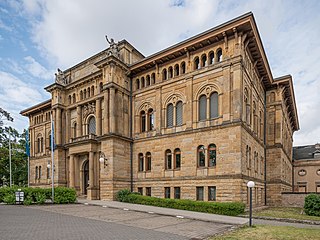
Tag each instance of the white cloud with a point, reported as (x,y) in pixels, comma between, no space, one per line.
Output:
(67,32)
(5,26)
(37,70)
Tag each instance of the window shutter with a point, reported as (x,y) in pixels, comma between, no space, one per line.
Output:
(179,119)
(170,115)
(214,105)
(202,108)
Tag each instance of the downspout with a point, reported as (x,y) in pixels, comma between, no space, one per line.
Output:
(265,148)
(131,142)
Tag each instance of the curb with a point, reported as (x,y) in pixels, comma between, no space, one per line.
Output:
(289,220)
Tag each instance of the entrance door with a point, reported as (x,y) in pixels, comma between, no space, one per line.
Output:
(85,176)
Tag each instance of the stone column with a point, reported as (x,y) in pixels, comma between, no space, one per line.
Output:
(68,126)
(111,110)
(76,173)
(58,125)
(79,121)
(106,112)
(71,170)
(98,115)
(91,168)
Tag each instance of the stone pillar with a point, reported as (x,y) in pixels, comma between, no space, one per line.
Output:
(79,121)
(68,126)
(98,115)
(76,173)
(106,112)
(71,171)
(111,110)
(58,125)
(91,168)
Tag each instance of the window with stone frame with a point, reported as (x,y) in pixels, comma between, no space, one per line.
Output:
(143,121)
(202,108)
(177,192)
(137,84)
(179,113)
(140,190)
(92,125)
(196,63)
(212,155)
(148,161)
(36,173)
(212,191)
(201,156)
(183,68)
(203,60)
(199,193)
(150,119)
(219,55)
(48,173)
(164,74)
(170,115)
(140,162)
(148,191)
(168,157)
(211,58)
(176,70)
(167,192)
(177,158)
(40,172)
(214,105)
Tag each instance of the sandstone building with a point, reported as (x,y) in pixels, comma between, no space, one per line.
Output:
(196,120)
(306,164)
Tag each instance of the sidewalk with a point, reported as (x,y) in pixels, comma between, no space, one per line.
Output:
(208,217)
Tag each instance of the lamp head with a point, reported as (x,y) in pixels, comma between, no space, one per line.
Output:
(250,184)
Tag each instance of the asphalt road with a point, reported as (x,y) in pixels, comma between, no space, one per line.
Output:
(93,222)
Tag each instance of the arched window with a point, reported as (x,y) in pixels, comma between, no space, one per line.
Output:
(203,60)
(254,117)
(211,58)
(150,119)
(69,99)
(183,68)
(196,63)
(148,162)
(168,158)
(176,70)
(100,87)
(202,108)
(143,121)
(73,98)
(214,105)
(92,90)
(81,95)
(88,92)
(40,172)
(74,135)
(164,74)
(41,145)
(212,154)
(137,84)
(85,94)
(142,82)
(49,140)
(177,158)
(170,72)
(48,173)
(179,111)
(141,162)
(153,78)
(170,115)
(36,175)
(247,106)
(201,156)
(219,55)
(148,80)
(247,156)
(92,125)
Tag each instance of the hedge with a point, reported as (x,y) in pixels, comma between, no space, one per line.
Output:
(38,195)
(222,208)
(312,205)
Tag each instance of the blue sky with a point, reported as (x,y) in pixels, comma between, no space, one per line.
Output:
(39,36)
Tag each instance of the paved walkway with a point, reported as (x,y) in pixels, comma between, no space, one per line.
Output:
(168,212)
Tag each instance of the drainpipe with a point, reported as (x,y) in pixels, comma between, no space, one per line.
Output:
(265,148)
(131,142)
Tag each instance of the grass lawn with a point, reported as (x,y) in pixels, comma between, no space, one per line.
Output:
(265,232)
(285,212)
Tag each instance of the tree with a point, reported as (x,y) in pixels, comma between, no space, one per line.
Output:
(4,115)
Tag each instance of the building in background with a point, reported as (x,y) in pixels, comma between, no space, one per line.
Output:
(197,120)
(306,164)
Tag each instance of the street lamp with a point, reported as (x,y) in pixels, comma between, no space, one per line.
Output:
(103,159)
(250,185)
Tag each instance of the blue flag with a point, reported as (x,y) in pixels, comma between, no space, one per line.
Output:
(27,143)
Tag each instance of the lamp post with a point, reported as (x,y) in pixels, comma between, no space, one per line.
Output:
(103,159)
(250,185)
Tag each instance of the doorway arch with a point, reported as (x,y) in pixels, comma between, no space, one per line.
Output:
(85,181)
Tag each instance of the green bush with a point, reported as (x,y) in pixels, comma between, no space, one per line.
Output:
(9,198)
(312,205)
(27,201)
(40,198)
(223,208)
(64,195)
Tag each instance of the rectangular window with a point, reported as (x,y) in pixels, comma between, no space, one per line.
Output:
(167,192)
(169,161)
(212,193)
(318,189)
(199,193)
(177,192)
(303,189)
(178,159)
(148,191)
(141,162)
(140,190)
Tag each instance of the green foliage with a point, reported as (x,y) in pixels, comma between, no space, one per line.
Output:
(312,205)
(40,195)
(9,198)
(223,208)
(65,195)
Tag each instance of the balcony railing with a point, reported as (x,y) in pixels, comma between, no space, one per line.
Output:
(84,137)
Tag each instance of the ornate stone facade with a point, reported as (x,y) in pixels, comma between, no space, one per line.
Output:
(197,120)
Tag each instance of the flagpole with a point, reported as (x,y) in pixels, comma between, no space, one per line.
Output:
(52,157)
(28,154)
(10,160)
(28,171)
